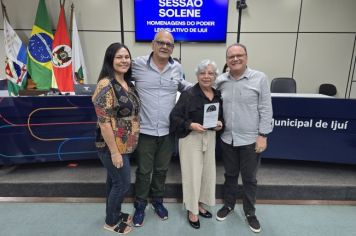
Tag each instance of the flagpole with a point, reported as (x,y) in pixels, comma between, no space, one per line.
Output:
(122,23)
(2,9)
(71,18)
(4,13)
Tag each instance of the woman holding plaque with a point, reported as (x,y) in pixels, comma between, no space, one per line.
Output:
(194,120)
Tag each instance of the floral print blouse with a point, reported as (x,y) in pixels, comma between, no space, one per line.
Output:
(114,105)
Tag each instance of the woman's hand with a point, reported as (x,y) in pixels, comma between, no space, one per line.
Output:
(117,159)
(197,127)
(219,126)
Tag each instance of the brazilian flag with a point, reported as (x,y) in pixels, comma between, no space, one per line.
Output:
(39,64)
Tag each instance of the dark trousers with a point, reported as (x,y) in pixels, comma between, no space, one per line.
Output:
(244,160)
(117,184)
(153,155)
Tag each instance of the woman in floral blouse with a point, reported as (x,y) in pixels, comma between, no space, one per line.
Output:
(117,107)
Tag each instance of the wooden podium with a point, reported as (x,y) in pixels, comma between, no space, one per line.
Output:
(33,92)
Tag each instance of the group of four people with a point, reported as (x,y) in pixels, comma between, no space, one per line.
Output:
(144,117)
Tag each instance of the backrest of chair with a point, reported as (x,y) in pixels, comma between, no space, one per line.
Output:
(327,89)
(283,85)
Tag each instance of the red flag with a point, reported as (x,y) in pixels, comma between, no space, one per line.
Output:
(62,56)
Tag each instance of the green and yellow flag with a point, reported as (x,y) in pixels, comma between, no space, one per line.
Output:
(39,63)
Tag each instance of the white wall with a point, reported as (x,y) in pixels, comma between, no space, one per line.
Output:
(311,40)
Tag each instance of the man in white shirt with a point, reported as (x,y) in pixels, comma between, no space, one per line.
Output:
(247,110)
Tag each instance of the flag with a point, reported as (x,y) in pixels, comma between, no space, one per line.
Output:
(62,56)
(79,69)
(39,63)
(14,89)
(15,62)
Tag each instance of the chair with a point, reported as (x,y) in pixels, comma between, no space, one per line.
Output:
(327,89)
(283,85)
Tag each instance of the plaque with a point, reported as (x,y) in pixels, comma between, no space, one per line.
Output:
(211,115)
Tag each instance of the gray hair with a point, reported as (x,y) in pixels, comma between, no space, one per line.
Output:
(204,64)
(237,45)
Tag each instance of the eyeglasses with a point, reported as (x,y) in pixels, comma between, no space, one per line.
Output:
(238,56)
(162,44)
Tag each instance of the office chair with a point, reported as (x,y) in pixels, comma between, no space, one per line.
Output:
(327,89)
(283,85)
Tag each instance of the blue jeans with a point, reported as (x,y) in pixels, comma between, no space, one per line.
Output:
(117,184)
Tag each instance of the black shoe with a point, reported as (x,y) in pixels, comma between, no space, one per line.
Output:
(253,223)
(194,224)
(205,214)
(223,212)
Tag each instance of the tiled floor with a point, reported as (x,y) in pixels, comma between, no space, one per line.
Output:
(77,219)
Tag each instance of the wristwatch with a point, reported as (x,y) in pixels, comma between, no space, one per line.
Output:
(263,135)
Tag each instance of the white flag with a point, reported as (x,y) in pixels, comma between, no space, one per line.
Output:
(79,69)
(15,50)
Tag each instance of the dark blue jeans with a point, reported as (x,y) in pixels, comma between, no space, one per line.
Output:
(245,161)
(117,184)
